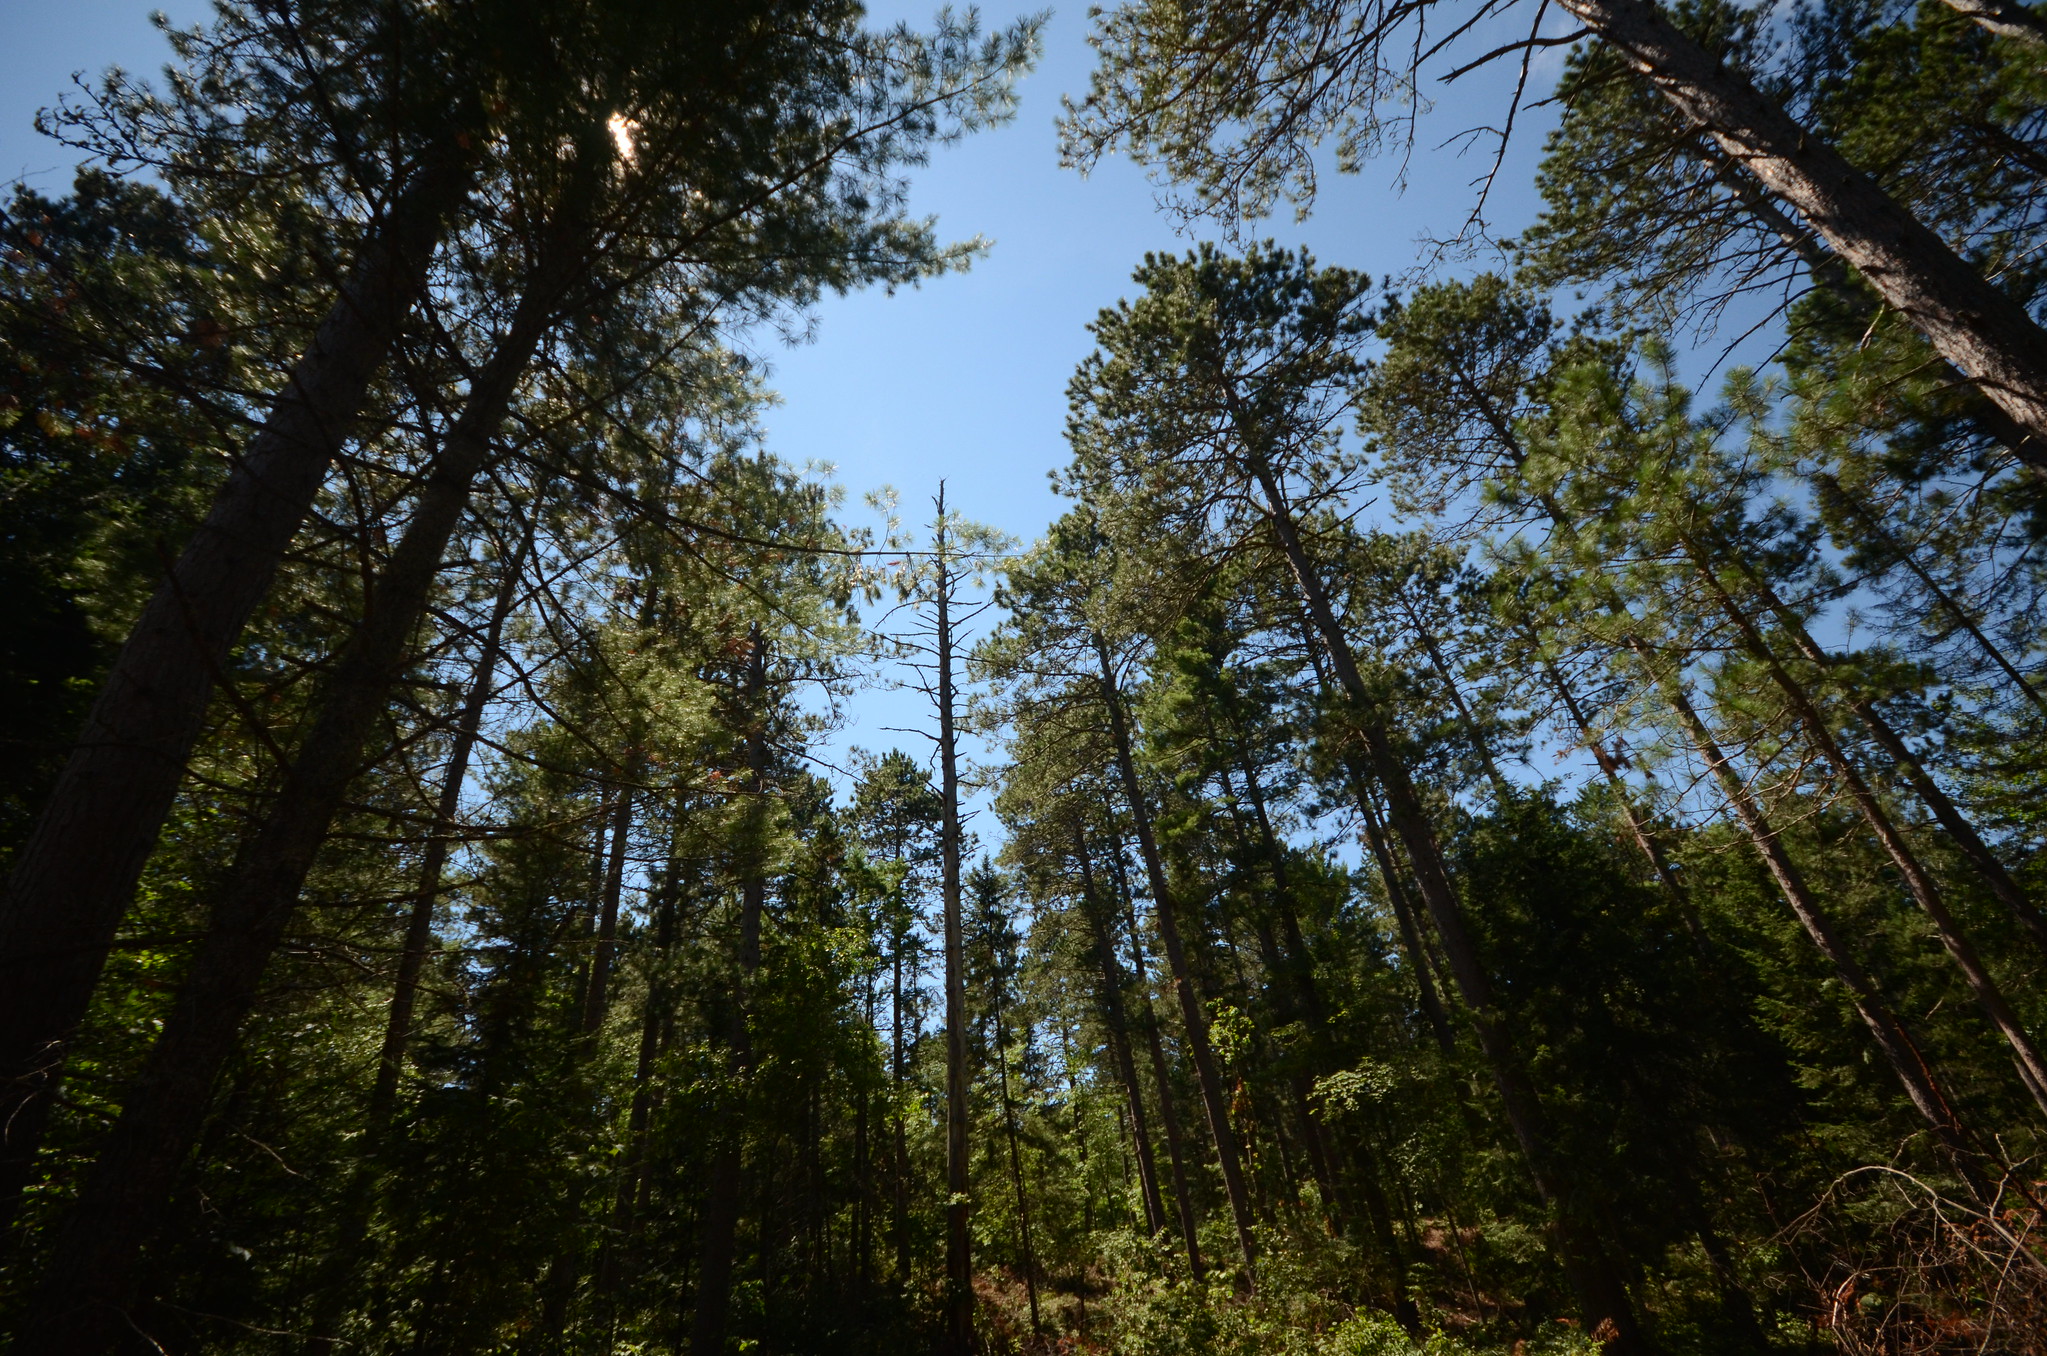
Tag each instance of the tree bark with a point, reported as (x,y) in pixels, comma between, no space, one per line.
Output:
(91,1273)
(1985,334)
(74,878)
(2005,18)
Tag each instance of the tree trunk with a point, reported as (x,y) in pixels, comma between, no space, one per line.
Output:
(1192,1016)
(1119,1037)
(720,1229)
(1891,1037)
(92,1268)
(2005,18)
(1016,1172)
(1592,1274)
(1161,1072)
(1988,868)
(2032,1069)
(597,997)
(959,1267)
(1985,334)
(74,877)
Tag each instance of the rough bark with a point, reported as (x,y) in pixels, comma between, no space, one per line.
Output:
(1985,334)
(75,876)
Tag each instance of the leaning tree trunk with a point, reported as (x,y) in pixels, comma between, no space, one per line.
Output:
(1897,1045)
(80,1301)
(1919,882)
(75,876)
(1193,1018)
(1607,1305)
(1118,1025)
(1985,334)
(1161,1072)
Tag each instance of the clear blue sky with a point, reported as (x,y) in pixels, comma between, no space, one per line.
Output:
(965,377)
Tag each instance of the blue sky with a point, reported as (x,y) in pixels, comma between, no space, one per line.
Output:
(963,378)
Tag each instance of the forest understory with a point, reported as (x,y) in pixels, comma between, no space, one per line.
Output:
(1485,826)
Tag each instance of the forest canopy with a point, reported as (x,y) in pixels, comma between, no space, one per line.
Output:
(1483,826)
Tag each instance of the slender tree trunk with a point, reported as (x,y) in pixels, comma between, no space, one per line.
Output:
(1016,1172)
(597,996)
(1192,1016)
(1984,333)
(1898,1047)
(1161,1072)
(1610,766)
(1988,868)
(959,1267)
(1114,1019)
(719,1233)
(900,1221)
(74,877)
(653,1011)
(2032,1069)
(331,1293)
(1592,1273)
(92,1268)
(447,810)
(1832,490)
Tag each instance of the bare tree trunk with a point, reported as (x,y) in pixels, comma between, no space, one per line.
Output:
(1192,1016)
(1986,335)
(959,1266)
(1114,1019)
(92,1269)
(74,878)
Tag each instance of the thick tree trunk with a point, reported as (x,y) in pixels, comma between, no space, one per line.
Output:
(1118,1025)
(73,879)
(1985,334)
(1592,1273)
(91,1272)
(1193,1018)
